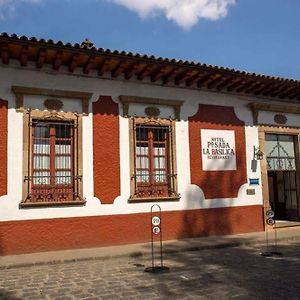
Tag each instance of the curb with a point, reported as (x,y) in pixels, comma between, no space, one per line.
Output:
(145,253)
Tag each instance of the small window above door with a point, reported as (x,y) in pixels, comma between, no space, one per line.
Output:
(280,152)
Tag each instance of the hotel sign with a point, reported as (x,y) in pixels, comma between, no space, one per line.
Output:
(218,150)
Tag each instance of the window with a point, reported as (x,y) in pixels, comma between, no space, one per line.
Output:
(153,161)
(280,149)
(52,174)
(53,156)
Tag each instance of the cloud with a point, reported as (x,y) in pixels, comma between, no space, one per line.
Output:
(7,7)
(185,13)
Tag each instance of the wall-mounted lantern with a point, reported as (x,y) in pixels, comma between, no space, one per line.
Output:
(257,153)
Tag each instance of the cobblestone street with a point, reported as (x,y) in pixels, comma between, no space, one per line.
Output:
(225,273)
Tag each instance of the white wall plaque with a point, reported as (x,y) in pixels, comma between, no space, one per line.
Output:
(218,150)
(155,221)
(156,230)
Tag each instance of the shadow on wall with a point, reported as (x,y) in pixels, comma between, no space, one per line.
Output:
(205,222)
(211,220)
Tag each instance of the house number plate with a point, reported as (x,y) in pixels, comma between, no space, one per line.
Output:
(155,221)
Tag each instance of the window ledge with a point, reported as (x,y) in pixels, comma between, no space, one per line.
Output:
(153,199)
(51,204)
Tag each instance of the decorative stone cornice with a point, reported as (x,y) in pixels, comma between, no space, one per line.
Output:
(256,107)
(21,91)
(127,100)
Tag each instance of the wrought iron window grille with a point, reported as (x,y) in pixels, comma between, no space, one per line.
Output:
(52,172)
(285,161)
(153,173)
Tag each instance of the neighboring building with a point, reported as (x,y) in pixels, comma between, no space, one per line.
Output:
(90,139)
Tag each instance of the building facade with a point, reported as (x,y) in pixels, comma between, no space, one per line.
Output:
(91,139)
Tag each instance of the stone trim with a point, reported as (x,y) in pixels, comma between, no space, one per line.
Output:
(127,100)
(37,114)
(262,131)
(21,91)
(172,154)
(256,107)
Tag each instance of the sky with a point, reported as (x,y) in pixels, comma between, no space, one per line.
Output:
(257,36)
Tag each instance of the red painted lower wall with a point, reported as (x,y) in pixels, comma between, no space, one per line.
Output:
(57,234)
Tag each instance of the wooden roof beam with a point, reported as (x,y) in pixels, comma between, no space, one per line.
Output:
(24,56)
(260,89)
(220,86)
(256,90)
(204,80)
(131,71)
(170,75)
(271,87)
(158,73)
(185,75)
(190,81)
(285,93)
(146,71)
(253,87)
(73,63)
(249,87)
(58,60)
(104,66)
(214,81)
(4,54)
(41,58)
(276,92)
(295,94)
(118,69)
(235,84)
(245,85)
(89,65)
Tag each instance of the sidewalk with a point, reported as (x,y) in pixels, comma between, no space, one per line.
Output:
(134,250)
